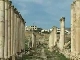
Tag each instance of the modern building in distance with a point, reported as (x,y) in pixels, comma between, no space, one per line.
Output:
(35,28)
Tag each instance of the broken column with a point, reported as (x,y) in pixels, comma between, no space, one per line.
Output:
(55,35)
(33,40)
(73,29)
(9,29)
(6,30)
(2,30)
(51,41)
(62,33)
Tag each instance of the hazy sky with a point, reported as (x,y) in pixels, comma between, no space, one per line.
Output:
(44,13)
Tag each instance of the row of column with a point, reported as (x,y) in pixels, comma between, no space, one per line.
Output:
(53,36)
(12,32)
(75,28)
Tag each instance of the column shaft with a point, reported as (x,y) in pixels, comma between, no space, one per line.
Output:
(62,33)
(55,36)
(9,29)
(2,26)
(14,41)
(51,41)
(6,31)
(17,42)
(19,34)
(73,29)
(12,28)
(78,27)
(33,40)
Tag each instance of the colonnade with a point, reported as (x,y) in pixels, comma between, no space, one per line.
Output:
(12,32)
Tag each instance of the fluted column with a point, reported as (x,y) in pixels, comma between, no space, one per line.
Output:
(12,28)
(18,19)
(14,38)
(23,34)
(62,33)
(19,22)
(6,30)
(16,31)
(2,30)
(9,29)
(17,42)
(73,29)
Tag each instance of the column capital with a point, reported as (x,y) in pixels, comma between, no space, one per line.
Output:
(62,19)
(10,2)
(54,27)
(15,10)
(72,6)
(12,7)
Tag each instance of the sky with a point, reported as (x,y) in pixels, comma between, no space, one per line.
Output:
(44,13)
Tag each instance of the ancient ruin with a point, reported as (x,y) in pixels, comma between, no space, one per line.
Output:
(11,39)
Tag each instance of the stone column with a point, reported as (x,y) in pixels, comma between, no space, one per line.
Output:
(73,29)
(51,41)
(6,30)
(24,35)
(62,33)
(18,19)
(33,40)
(12,28)
(14,41)
(19,33)
(77,27)
(17,42)
(9,28)
(55,35)
(16,31)
(2,30)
